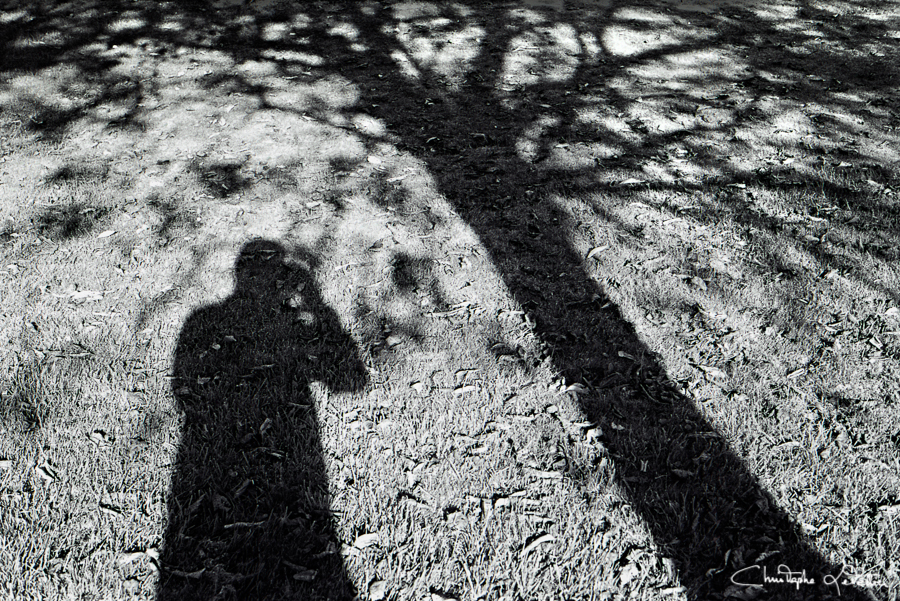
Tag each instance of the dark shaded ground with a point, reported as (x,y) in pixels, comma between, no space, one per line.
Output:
(249,508)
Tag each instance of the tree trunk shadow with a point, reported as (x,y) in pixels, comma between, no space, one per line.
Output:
(704,507)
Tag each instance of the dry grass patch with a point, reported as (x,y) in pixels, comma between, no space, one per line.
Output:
(416,300)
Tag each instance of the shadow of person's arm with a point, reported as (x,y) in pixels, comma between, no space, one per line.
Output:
(329,353)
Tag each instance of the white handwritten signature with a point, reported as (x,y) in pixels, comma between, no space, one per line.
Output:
(786,576)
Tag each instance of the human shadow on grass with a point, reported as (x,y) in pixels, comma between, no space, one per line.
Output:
(249,514)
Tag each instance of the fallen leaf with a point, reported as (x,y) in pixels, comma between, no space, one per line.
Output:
(127,558)
(131,586)
(106,234)
(549,475)
(889,509)
(546,538)
(628,573)
(440,597)
(365,540)
(99,438)
(377,590)
(718,265)
(791,444)
(684,473)
(464,389)
(631,181)
(374,159)
(85,295)
(595,252)
(713,372)
(457,520)
(47,473)
(577,388)
(796,373)
(107,508)
(305,575)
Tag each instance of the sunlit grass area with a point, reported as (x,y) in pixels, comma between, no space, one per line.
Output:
(449,300)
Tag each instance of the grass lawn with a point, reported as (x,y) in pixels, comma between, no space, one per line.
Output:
(388,300)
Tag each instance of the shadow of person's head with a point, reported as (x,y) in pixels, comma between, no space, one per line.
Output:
(258,261)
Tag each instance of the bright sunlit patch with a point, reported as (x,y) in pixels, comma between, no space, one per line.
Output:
(563,52)
(170,25)
(564,39)
(406,66)
(775,12)
(9,17)
(257,68)
(415,10)
(345,30)
(273,32)
(521,60)
(54,89)
(529,144)
(444,53)
(126,24)
(591,45)
(622,40)
(330,94)
(690,71)
(52,38)
(301,21)
(544,54)
(528,16)
(370,126)
(642,16)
